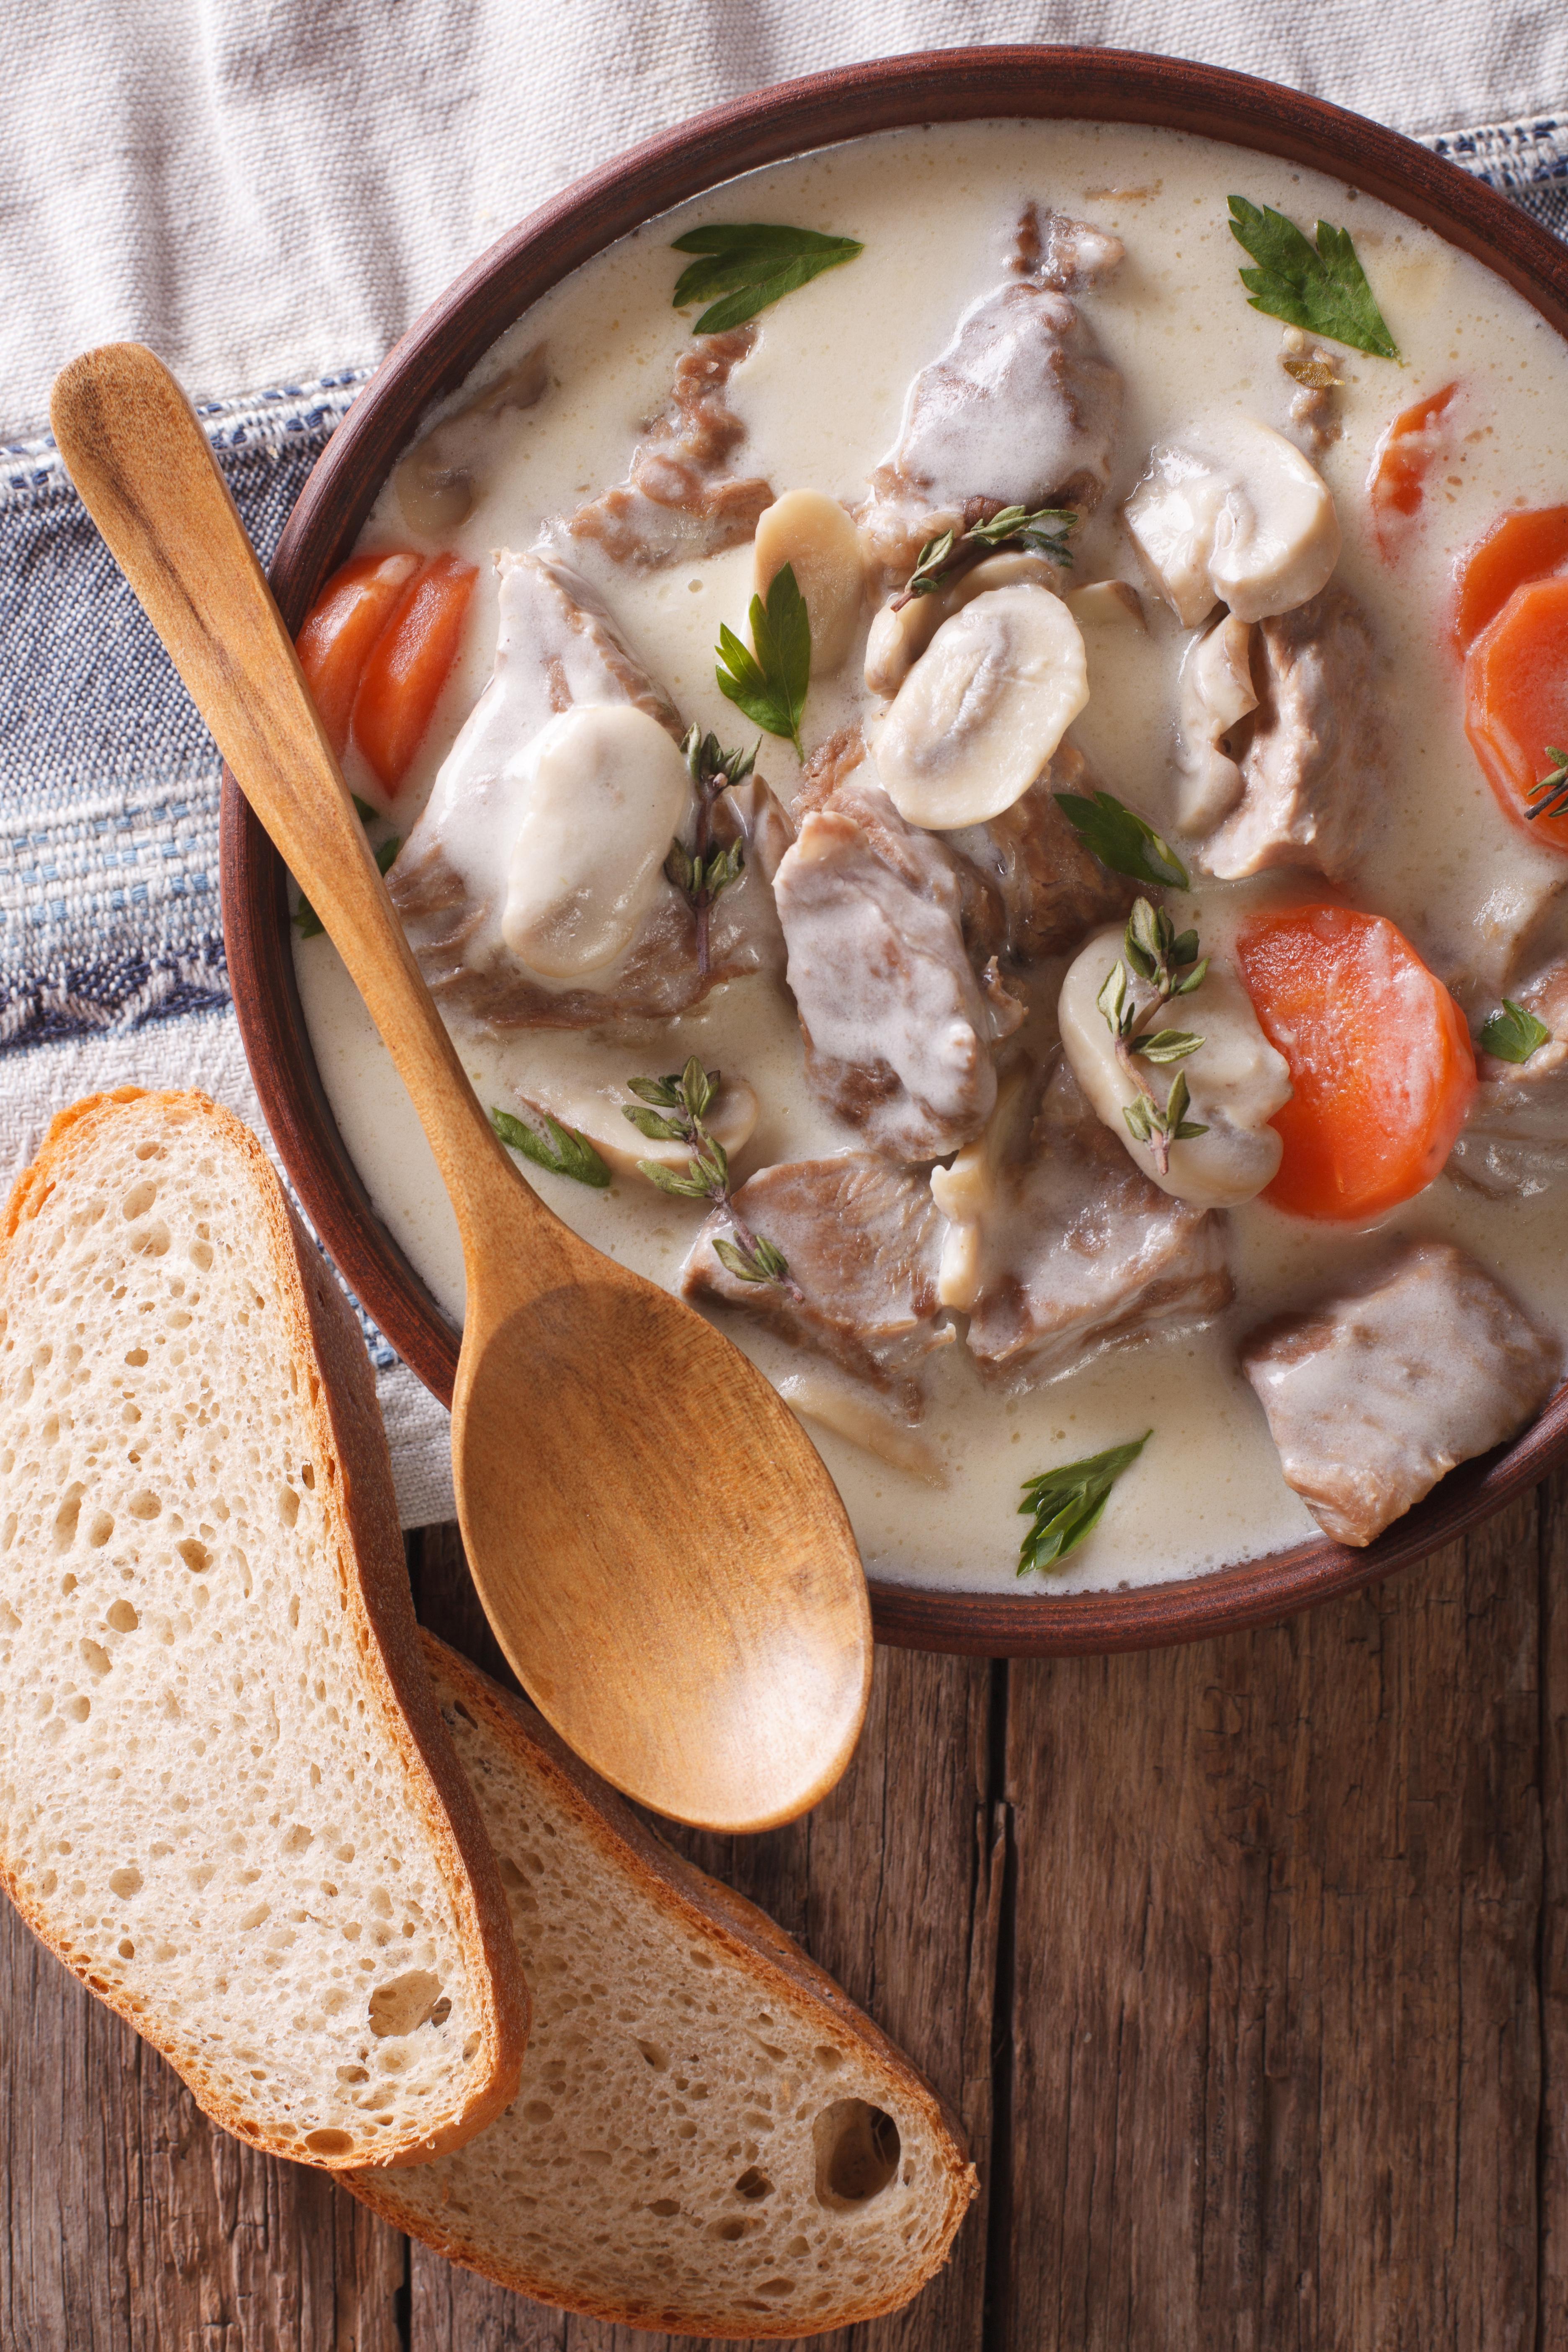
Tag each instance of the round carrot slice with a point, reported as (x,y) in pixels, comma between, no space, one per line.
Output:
(1516,709)
(1401,463)
(1381,1061)
(342,626)
(409,663)
(1526,546)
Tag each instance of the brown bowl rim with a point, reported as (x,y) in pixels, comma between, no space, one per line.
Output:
(1033,83)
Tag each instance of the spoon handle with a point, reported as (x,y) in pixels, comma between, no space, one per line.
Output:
(141,461)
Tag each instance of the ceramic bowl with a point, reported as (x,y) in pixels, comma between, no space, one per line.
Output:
(1094,85)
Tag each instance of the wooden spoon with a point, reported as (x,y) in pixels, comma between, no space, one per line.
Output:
(663,1558)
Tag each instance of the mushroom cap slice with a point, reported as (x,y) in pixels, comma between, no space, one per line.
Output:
(1213,693)
(604,791)
(901,632)
(1236,1079)
(982,709)
(813,534)
(1234,515)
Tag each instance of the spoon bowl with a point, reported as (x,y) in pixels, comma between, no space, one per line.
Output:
(664,1561)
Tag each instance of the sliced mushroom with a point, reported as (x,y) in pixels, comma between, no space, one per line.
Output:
(900,633)
(1215,693)
(815,1396)
(1235,1078)
(964,1192)
(1234,515)
(982,709)
(596,1112)
(812,533)
(1106,604)
(435,481)
(604,793)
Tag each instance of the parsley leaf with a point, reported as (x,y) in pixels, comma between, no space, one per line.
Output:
(1513,1035)
(1324,290)
(751,264)
(1119,839)
(770,685)
(1066,1504)
(561,1149)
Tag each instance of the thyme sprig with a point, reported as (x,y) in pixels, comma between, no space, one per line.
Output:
(701,872)
(1156,966)
(674,1109)
(1066,1505)
(988,527)
(1549,797)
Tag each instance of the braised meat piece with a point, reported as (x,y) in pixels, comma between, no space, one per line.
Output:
(1048,889)
(1078,1251)
(898,1027)
(558,650)
(863,1242)
(1021,409)
(1516,1137)
(680,499)
(1310,759)
(1372,1397)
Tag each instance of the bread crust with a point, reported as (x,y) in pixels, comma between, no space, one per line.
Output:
(337,1397)
(749,1939)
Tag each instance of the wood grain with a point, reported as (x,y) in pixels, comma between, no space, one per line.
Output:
(1279,1991)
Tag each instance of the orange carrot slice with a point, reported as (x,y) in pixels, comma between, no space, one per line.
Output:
(1400,465)
(1515,708)
(409,663)
(1380,1057)
(342,626)
(1531,544)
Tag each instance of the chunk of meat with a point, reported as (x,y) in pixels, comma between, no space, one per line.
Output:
(558,649)
(680,499)
(1313,756)
(863,1242)
(1376,1396)
(1516,1138)
(1081,1252)
(898,1027)
(1048,889)
(1021,409)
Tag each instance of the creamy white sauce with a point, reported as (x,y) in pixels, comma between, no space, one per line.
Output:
(822,395)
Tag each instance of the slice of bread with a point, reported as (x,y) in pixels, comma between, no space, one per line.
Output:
(227,1799)
(709,2137)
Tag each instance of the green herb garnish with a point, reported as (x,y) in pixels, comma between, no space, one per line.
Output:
(1513,1035)
(770,684)
(751,264)
(561,1149)
(1043,532)
(1548,797)
(1323,289)
(1121,840)
(307,923)
(701,872)
(1066,1504)
(674,1109)
(1168,966)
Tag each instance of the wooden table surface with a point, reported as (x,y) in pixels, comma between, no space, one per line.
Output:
(1245,1965)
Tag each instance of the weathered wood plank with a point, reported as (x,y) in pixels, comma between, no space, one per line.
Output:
(890,1884)
(1553,2192)
(1277,2064)
(132,2224)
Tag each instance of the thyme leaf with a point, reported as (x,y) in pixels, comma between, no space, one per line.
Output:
(1321,288)
(769,684)
(1042,532)
(1168,965)
(1514,1034)
(1121,839)
(702,872)
(1067,1504)
(676,1109)
(1549,797)
(750,265)
(563,1150)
